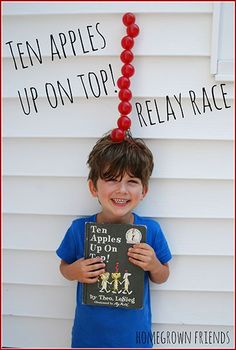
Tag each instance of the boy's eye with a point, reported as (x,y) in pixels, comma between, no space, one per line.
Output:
(134,181)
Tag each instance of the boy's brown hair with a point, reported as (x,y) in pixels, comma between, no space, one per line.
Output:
(110,160)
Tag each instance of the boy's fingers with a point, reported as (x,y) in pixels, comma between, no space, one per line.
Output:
(138,257)
(90,280)
(93,276)
(142,245)
(96,267)
(95,273)
(136,262)
(139,251)
(91,261)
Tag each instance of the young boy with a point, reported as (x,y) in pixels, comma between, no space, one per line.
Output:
(118,178)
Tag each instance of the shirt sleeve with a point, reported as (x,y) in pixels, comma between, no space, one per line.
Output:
(67,248)
(161,247)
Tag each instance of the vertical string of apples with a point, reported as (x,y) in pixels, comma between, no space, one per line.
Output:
(123,83)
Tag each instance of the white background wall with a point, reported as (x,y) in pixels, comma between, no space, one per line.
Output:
(44,167)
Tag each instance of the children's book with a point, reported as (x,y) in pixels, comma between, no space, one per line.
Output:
(122,283)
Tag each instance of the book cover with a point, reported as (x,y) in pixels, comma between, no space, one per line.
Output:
(122,283)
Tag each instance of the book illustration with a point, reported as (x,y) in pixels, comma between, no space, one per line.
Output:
(103,279)
(103,282)
(133,236)
(122,283)
(126,283)
(115,279)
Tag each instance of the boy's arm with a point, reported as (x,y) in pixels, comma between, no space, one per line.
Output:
(144,256)
(160,273)
(83,270)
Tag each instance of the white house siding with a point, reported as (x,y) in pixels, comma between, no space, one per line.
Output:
(44,168)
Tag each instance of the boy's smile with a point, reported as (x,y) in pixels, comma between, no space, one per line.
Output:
(118,197)
(120,201)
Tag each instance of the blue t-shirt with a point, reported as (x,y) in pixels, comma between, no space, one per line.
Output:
(106,327)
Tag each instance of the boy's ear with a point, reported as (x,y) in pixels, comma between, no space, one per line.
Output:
(145,190)
(92,188)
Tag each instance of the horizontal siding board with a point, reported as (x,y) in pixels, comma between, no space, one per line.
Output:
(168,198)
(203,277)
(34,232)
(200,198)
(192,308)
(176,41)
(44,332)
(160,76)
(207,126)
(13,9)
(212,159)
(45,272)
(202,269)
(185,236)
(16,330)
(61,301)
(199,236)
(50,301)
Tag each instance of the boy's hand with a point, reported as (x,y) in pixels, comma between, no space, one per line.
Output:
(83,270)
(143,256)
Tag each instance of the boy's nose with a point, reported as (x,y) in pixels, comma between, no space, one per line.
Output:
(121,187)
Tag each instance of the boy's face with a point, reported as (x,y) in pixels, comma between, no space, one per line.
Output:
(118,197)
